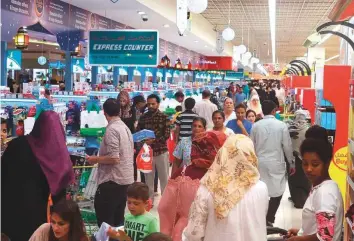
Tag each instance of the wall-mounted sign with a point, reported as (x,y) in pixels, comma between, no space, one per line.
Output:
(232,75)
(56,65)
(124,47)
(14,59)
(42,60)
(78,65)
(216,63)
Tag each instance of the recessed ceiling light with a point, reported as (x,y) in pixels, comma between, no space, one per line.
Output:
(166,26)
(196,41)
(206,46)
(141,12)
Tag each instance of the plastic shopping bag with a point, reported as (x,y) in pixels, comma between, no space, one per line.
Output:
(171,145)
(144,159)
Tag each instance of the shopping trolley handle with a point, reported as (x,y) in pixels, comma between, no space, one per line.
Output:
(275,230)
(272,231)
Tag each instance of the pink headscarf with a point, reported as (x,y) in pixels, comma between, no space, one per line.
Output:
(47,141)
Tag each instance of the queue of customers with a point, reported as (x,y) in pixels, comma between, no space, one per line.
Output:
(227,180)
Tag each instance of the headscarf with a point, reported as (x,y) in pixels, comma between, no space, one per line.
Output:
(125,111)
(205,147)
(256,108)
(232,174)
(47,141)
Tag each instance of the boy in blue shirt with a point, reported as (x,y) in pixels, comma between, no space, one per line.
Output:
(240,125)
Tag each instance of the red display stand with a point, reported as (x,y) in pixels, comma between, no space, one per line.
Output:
(308,102)
(336,90)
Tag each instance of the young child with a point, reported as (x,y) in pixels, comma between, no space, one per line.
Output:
(138,223)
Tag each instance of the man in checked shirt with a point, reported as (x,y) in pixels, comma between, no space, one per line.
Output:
(159,123)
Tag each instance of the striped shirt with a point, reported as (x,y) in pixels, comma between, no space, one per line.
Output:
(185,121)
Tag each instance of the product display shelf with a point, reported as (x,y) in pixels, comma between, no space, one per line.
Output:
(349,200)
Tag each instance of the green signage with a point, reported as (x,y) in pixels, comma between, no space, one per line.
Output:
(123,47)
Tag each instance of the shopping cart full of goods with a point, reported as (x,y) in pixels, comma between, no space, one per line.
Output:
(83,190)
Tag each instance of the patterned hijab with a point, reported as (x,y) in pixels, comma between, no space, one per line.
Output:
(205,146)
(125,111)
(232,174)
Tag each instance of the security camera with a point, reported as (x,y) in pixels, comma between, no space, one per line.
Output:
(145,17)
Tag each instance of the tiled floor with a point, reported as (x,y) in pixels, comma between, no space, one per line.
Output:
(287,216)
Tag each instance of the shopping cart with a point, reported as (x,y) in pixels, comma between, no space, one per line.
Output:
(274,234)
(83,190)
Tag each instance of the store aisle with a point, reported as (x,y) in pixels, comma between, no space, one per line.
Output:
(287,216)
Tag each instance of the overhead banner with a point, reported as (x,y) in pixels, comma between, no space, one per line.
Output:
(14,59)
(124,47)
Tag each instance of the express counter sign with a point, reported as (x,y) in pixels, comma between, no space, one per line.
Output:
(124,47)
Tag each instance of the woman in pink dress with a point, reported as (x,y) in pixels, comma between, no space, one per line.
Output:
(182,187)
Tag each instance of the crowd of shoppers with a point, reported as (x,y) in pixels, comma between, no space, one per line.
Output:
(227,179)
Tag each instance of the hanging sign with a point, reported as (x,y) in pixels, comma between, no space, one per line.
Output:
(123,47)
(78,65)
(219,42)
(181,16)
(14,59)
(123,71)
(136,72)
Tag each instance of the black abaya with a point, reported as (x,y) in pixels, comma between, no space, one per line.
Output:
(299,185)
(24,190)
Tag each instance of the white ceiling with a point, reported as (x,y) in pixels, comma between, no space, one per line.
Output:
(125,11)
(295,21)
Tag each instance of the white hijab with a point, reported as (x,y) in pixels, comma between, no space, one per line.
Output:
(256,108)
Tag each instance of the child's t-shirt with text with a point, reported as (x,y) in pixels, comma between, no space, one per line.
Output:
(138,227)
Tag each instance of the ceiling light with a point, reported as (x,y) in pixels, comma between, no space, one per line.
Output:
(331,58)
(196,41)
(206,46)
(166,26)
(272,18)
(242,49)
(37,45)
(197,6)
(141,12)
(228,34)
(248,55)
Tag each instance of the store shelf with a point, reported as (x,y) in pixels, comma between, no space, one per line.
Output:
(350,182)
(350,225)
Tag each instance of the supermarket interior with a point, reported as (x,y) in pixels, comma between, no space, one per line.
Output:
(160,67)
